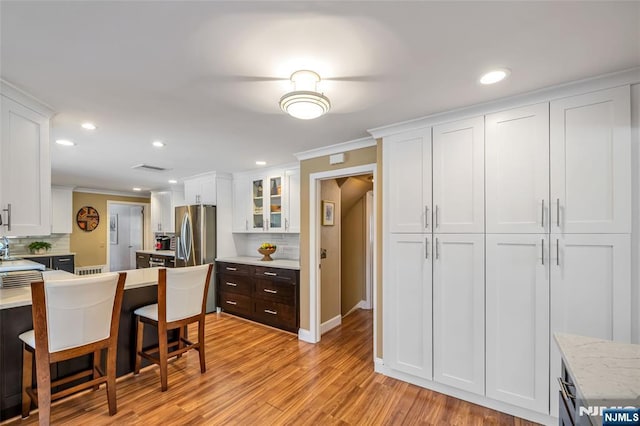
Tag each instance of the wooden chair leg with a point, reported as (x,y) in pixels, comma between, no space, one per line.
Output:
(163,352)
(43,375)
(27,379)
(111,381)
(97,363)
(180,341)
(139,336)
(203,366)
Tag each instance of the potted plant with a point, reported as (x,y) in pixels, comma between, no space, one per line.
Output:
(39,247)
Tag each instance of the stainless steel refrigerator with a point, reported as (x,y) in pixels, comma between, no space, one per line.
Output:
(196,241)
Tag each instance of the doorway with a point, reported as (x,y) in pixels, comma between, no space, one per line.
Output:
(125,234)
(315,261)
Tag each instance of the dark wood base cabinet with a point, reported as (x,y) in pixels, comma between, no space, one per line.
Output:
(260,293)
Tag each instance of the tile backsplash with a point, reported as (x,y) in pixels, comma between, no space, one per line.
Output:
(60,244)
(288,244)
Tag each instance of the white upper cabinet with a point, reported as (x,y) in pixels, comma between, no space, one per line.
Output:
(163,205)
(61,210)
(408,181)
(407,305)
(517,170)
(590,291)
(201,189)
(458,177)
(591,163)
(241,204)
(292,200)
(25,171)
(458,311)
(517,315)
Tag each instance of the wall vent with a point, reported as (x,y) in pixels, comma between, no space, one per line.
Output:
(90,270)
(149,168)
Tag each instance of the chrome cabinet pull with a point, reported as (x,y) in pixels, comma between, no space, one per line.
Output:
(542,213)
(246,224)
(231,302)
(557,251)
(542,246)
(229,268)
(437,215)
(426,217)
(563,389)
(558,212)
(66,259)
(426,248)
(269,311)
(286,224)
(437,249)
(8,210)
(271,274)
(268,290)
(231,284)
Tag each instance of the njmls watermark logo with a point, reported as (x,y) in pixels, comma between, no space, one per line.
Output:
(613,416)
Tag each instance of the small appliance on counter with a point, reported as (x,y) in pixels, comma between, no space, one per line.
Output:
(163,242)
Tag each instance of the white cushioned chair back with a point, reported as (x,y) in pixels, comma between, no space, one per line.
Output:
(79,310)
(185,291)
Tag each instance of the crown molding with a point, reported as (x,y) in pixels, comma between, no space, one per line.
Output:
(335,149)
(14,92)
(578,87)
(141,194)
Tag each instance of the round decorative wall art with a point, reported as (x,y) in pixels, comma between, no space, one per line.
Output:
(87,218)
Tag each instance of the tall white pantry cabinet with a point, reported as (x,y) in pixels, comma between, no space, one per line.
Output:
(499,231)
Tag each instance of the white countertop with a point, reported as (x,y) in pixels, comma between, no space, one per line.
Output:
(602,369)
(20,265)
(47,254)
(160,252)
(275,263)
(21,296)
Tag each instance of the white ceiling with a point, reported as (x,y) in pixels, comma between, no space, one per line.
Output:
(206,77)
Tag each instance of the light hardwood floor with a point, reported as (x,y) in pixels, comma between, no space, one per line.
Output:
(260,376)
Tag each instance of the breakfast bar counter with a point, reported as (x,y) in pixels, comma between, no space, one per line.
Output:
(255,261)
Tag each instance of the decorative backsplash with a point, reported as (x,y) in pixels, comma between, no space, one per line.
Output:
(288,244)
(59,244)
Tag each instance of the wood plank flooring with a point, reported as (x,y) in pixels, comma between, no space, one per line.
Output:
(260,376)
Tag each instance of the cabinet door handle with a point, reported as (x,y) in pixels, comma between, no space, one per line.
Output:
(8,210)
(231,284)
(271,274)
(269,311)
(542,221)
(558,212)
(437,248)
(286,224)
(66,259)
(437,216)
(426,217)
(246,224)
(231,302)
(268,290)
(229,268)
(426,248)
(557,252)
(542,246)
(267,224)
(563,389)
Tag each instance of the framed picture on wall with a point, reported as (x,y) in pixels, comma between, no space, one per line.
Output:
(328,209)
(113,229)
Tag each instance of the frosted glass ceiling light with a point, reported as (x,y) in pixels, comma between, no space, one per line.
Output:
(305,102)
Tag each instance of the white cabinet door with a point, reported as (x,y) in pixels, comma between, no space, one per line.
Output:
(517,170)
(200,190)
(458,311)
(292,207)
(591,163)
(176,199)
(25,171)
(408,305)
(61,210)
(458,176)
(408,181)
(590,291)
(241,204)
(158,201)
(192,191)
(517,315)
(274,197)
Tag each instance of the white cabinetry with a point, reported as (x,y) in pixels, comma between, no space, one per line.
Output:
(458,311)
(517,170)
(517,315)
(292,201)
(201,189)
(409,182)
(407,305)
(163,205)
(458,176)
(591,163)
(61,210)
(241,204)
(25,166)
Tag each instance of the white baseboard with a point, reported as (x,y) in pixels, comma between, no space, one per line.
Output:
(305,336)
(378,366)
(360,305)
(331,324)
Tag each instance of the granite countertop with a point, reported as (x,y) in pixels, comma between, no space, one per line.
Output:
(159,252)
(21,296)
(602,369)
(275,263)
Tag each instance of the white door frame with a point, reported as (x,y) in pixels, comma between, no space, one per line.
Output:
(146,221)
(313,335)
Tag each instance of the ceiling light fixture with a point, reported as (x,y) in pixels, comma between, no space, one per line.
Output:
(495,76)
(261,163)
(64,142)
(158,144)
(89,126)
(305,102)
(137,189)
(173,181)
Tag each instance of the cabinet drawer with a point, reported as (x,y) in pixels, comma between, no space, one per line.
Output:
(276,314)
(275,291)
(276,273)
(234,284)
(233,268)
(235,303)
(64,263)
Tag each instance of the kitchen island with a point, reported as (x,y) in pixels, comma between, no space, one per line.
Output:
(15,318)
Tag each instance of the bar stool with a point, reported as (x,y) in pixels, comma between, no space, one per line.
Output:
(71,317)
(182,300)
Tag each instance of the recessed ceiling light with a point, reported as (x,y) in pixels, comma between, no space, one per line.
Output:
(89,126)
(261,163)
(495,76)
(65,142)
(158,144)
(137,189)
(173,181)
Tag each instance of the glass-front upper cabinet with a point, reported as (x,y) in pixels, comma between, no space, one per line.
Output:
(275,203)
(267,204)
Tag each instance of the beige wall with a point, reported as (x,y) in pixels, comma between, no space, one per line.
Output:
(353,272)
(330,266)
(353,158)
(91,247)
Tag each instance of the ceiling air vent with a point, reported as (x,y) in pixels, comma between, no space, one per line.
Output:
(149,168)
